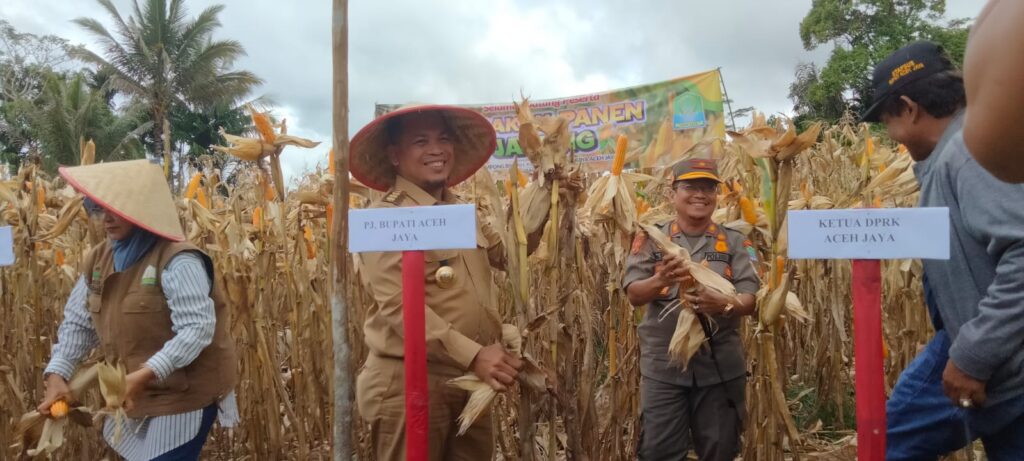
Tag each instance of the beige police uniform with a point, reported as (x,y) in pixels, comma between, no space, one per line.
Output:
(705,401)
(460,320)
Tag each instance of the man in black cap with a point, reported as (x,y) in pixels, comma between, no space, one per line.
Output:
(969,381)
(704,402)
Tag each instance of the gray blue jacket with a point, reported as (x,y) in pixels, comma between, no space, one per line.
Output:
(979,292)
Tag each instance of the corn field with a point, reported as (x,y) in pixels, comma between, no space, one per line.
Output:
(271,255)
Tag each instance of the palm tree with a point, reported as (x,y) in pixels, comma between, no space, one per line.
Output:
(167,60)
(69,112)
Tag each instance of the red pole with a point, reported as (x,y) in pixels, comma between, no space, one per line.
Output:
(417,398)
(868,366)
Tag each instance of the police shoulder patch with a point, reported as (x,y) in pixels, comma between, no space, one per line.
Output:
(749,246)
(638,242)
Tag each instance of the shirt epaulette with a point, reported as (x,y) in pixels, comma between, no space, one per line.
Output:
(394,197)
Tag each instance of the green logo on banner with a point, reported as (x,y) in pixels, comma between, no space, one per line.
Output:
(688,112)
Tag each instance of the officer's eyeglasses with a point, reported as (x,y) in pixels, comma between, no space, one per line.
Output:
(694,187)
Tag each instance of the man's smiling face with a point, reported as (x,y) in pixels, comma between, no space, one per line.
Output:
(423,152)
(696,198)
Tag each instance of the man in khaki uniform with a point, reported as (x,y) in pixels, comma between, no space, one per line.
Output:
(705,402)
(415,154)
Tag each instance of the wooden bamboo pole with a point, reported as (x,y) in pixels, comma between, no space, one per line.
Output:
(342,448)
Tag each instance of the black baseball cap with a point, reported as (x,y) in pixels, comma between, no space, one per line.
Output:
(904,66)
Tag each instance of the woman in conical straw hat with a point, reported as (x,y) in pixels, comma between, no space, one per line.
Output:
(148,300)
(415,154)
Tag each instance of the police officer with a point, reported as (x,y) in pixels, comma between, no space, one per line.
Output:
(414,154)
(705,402)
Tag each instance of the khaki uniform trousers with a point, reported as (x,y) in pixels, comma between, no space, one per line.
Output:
(380,396)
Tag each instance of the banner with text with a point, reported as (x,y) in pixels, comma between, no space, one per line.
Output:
(662,120)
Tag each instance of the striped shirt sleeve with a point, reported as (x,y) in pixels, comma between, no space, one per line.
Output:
(186,285)
(75,336)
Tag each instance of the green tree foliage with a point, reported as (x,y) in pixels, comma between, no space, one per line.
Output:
(862,33)
(47,110)
(169,62)
(25,61)
(69,111)
(196,131)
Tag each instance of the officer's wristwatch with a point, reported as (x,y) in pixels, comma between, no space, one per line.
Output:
(729,308)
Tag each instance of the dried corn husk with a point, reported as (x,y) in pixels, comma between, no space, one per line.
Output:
(113,388)
(688,335)
(772,302)
(311,197)
(481,394)
(248,149)
(535,204)
(45,435)
(547,153)
(702,275)
(763,141)
(612,197)
(67,216)
(529,139)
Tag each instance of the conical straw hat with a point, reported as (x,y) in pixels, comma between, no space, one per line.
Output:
(475,141)
(134,190)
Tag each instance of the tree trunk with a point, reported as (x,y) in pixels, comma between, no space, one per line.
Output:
(158,134)
(342,449)
(167,147)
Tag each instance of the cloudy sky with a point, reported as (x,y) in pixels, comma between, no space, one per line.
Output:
(466,51)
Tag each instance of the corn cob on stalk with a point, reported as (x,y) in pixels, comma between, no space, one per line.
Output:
(612,197)
(269,144)
(193,186)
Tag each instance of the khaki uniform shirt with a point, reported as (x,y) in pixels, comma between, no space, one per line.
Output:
(461,319)
(728,253)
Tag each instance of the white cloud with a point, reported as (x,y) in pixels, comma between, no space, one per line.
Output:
(467,51)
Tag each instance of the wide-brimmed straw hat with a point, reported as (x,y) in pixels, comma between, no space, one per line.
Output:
(475,141)
(135,190)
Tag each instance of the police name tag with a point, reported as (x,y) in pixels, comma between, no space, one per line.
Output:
(442,227)
(871,233)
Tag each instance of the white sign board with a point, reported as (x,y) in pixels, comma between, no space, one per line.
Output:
(6,246)
(443,227)
(871,233)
